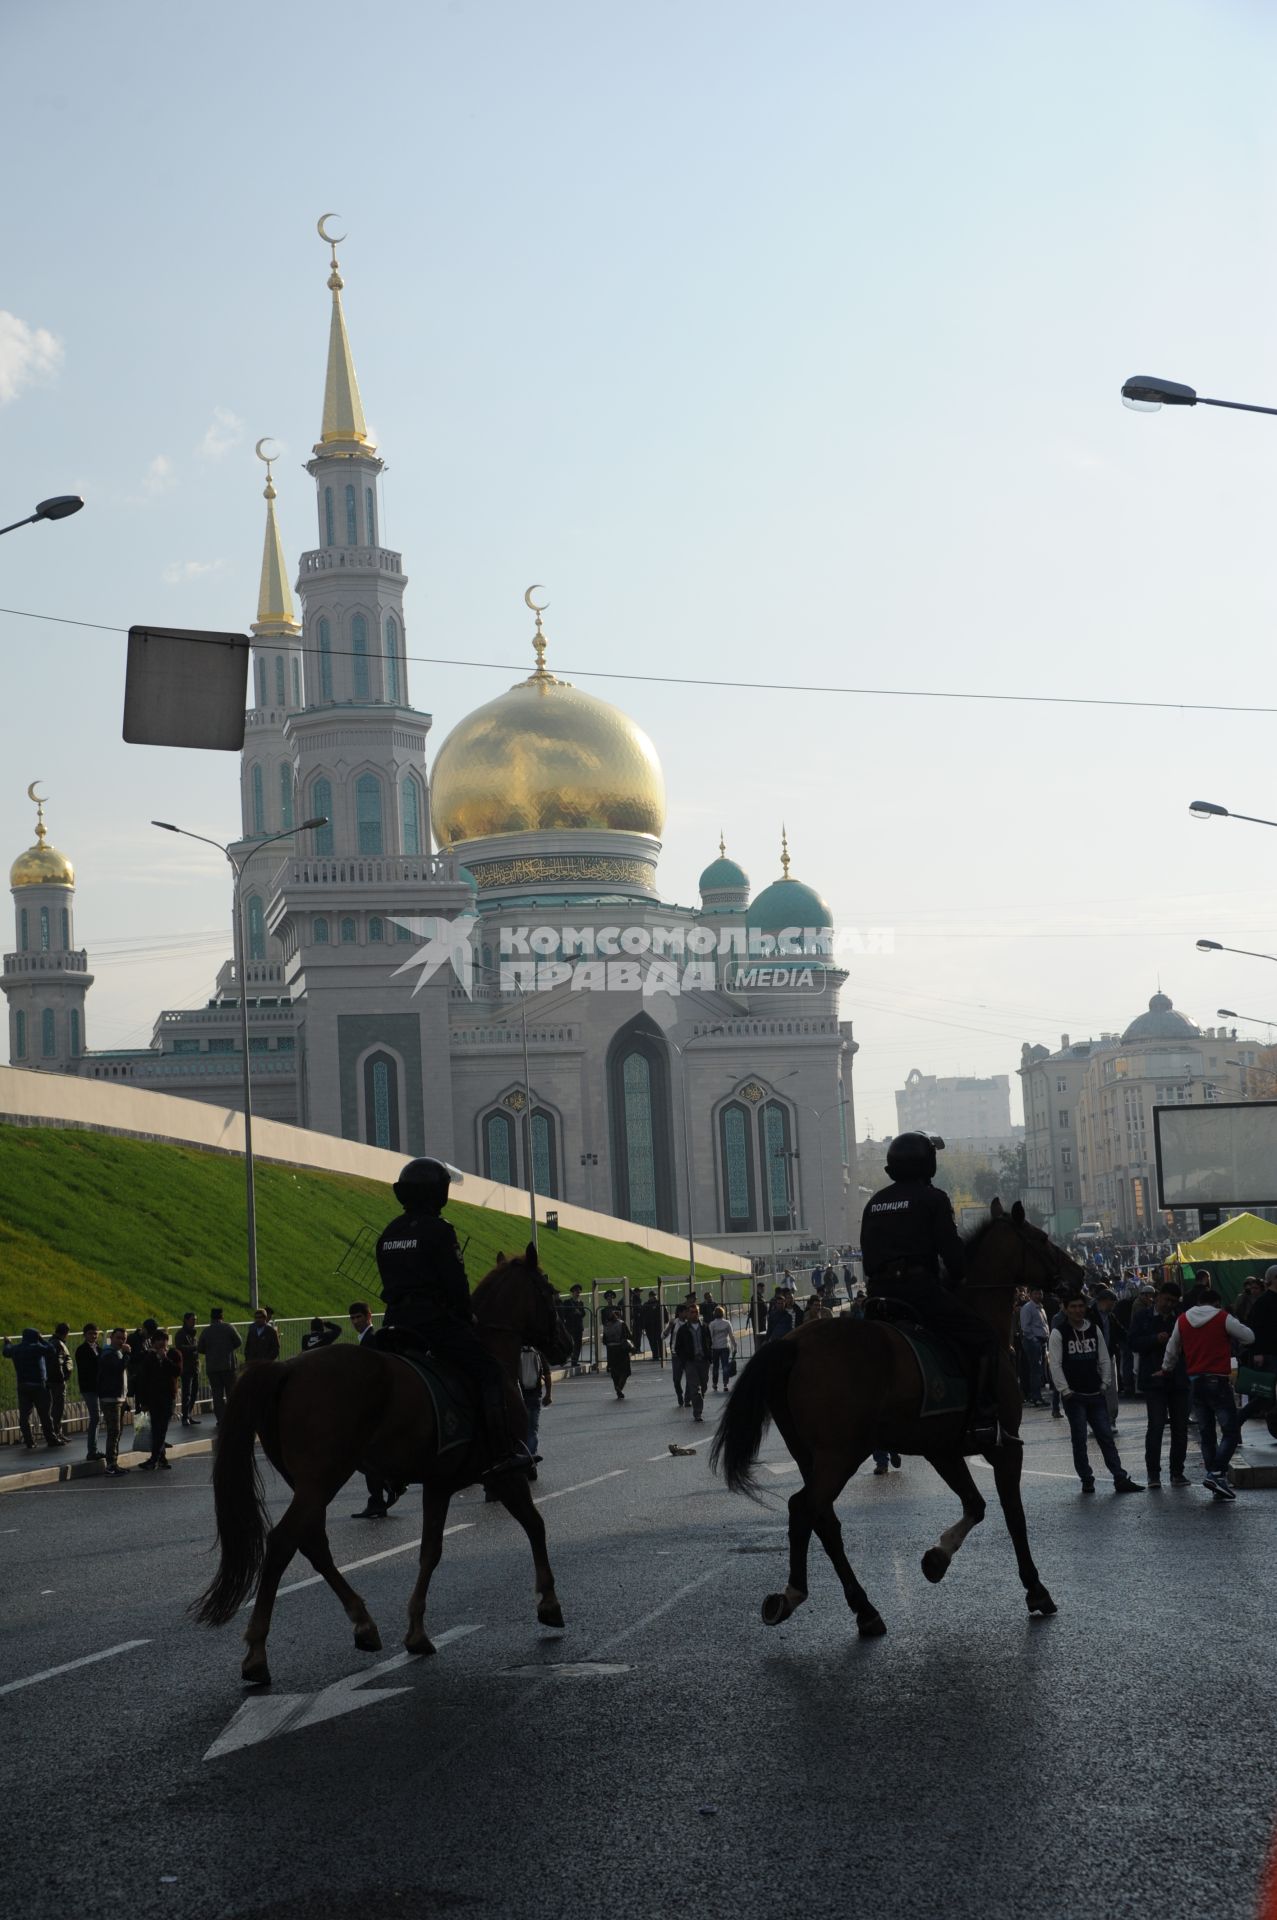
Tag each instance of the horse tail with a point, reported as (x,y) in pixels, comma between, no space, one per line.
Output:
(748,1413)
(238,1499)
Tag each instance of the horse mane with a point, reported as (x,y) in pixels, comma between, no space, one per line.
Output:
(487,1299)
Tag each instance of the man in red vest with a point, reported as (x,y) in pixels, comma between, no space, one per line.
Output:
(1204,1334)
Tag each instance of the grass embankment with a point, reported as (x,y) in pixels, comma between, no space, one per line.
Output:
(98,1227)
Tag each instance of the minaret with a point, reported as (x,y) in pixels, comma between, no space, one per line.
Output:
(266,773)
(362,765)
(47,977)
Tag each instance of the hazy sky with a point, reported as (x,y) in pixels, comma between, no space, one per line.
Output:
(783,343)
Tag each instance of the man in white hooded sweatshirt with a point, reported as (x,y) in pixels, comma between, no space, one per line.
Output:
(1204,1335)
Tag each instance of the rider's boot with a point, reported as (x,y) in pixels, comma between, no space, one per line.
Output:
(982,1424)
(505,1453)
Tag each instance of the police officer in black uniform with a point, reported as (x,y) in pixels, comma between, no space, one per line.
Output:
(906,1230)
(423,1283)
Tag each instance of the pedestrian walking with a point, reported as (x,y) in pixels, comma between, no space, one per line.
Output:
(381,1498)
(537,1387)
(722,1348)
(1080,1368)
(217,1347)
(158,1384)
(1262,1321)
(113,1392)
(692,1345)
(186,1345)
(59,1374)
(616,1349)
(1035,1331)
(882,1459)
(676,1358)
(1205,1334)
(322,1334)
(1166,1395)
(652,1320)
(32,1357)
(573,1312)
(261,1342)
(87,1355)
(139,1344)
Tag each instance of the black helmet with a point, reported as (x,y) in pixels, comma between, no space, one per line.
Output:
(912,1156)
(423,1185)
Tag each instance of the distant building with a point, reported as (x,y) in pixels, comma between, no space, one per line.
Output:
(1088,1111)
(968,1113)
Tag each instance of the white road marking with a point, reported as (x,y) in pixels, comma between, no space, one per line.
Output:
(263,1716)
(656,1613)
(1035,1473)
(408,1546)
(51,1673)
(570,1670)
(781,1466)
(616,1474)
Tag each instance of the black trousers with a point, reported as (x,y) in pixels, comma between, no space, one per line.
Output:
(1166,1404)
(190,1393)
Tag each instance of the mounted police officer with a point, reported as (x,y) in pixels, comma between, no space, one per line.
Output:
(423,1283)
(906,1231)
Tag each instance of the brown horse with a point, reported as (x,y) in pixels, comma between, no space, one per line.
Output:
(841,1387)
(324,1414)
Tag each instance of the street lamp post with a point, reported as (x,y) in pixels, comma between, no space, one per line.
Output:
(1146,393)
(1214,946)
(58,508)
(1210,810)
(237,868)
(1229,1013)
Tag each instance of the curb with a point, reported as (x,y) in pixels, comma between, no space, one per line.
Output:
(85,1469)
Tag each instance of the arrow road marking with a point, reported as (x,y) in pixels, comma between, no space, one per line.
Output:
(264,1716)
(388,1553)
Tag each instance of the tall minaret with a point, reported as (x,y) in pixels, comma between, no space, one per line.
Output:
(266,771)
(363,765)
(47,977)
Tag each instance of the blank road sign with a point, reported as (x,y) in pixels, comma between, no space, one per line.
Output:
(184,688)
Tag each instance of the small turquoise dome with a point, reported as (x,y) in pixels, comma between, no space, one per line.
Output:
(464,874)
(789,903)
(722,874)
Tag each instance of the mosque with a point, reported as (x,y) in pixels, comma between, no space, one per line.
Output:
(471,956)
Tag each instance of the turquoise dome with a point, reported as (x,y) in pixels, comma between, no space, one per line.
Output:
(464,874)
(788,903)
(723,873)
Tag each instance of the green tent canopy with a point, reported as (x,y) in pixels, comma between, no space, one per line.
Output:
(1232,1252)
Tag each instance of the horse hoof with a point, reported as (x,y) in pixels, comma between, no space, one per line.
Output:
(420,1644)
(550,1615)
(254,1672)
(871,1626)
(935,1564)
(1038,1600)
(775,1609)
(367,1639)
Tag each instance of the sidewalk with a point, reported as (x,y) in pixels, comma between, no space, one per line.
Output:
(49,1466)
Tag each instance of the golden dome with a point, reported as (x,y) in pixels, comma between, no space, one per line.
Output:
(41,865)
(542,758)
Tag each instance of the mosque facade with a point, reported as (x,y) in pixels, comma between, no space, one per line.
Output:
(472,956)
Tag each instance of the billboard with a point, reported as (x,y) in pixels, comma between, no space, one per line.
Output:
(1220,1155)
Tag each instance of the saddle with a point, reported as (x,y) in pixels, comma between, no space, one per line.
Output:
(456,1405)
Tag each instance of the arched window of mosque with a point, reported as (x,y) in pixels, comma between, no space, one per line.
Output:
(402,932)
(775,1140)
(325,661)
(359,641)
(381,1100)
(639,1116)
(319,931)
(498,1149)
(376,929)
(44,930)
(352,523)
(370,516)
(411,803)
(259,802)
(23,931)
(347,931)
(297,682)
(281,695)
(75,1034)
(545,1159)
(368,813)
(66,929)
(286,795)
(321,808)
(329,536)
(261,683)
(392,661)
(256,928)
(19,1035)
(738,1169)
(48,1034)
(640,1153)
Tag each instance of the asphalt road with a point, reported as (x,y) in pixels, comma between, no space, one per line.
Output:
(668,1752)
